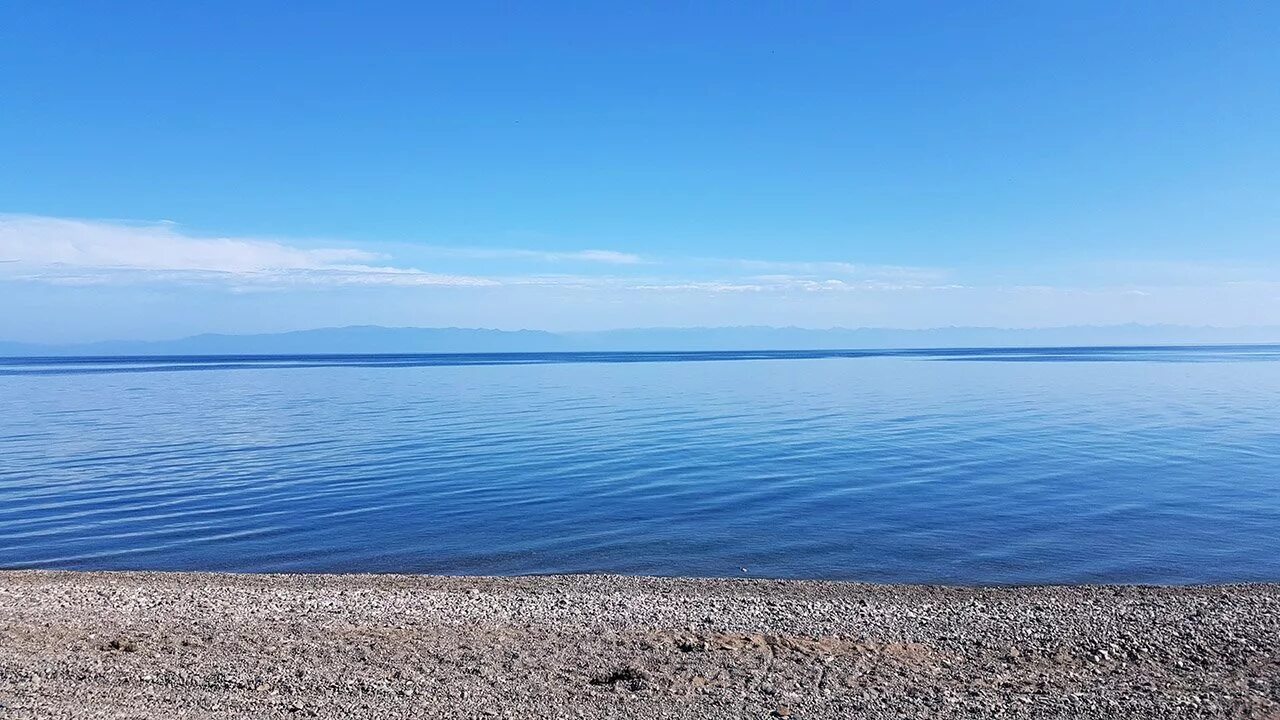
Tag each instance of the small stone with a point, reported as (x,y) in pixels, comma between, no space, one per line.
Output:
(123,644)
(782,711)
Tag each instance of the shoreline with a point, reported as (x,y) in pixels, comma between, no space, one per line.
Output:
(625,577)
(218,645)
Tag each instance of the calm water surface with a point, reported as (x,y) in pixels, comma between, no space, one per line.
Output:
(1028,466)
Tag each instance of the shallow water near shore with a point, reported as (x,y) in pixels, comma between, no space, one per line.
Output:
(1137,465)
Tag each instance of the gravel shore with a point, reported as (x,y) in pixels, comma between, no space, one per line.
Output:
(193,645)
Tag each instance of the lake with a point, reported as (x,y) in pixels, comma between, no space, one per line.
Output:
(1134,465)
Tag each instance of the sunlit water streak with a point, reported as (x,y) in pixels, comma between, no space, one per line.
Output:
(965,466)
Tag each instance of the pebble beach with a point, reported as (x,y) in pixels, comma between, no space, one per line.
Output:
(193,645)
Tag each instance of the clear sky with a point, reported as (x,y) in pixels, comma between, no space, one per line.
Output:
(170,168)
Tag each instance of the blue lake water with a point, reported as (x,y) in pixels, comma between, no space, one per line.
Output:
(975,466)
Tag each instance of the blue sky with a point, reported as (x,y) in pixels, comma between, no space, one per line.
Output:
(172,168)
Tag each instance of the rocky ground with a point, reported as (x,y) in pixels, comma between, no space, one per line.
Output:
(146,645)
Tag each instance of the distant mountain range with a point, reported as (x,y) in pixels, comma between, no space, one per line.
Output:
(375,339)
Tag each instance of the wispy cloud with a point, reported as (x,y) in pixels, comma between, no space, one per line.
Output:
(839,269)
(606,257)
(88,252)
(602,256)
(96,252)
(582,288)
(80,252)
(786,284)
